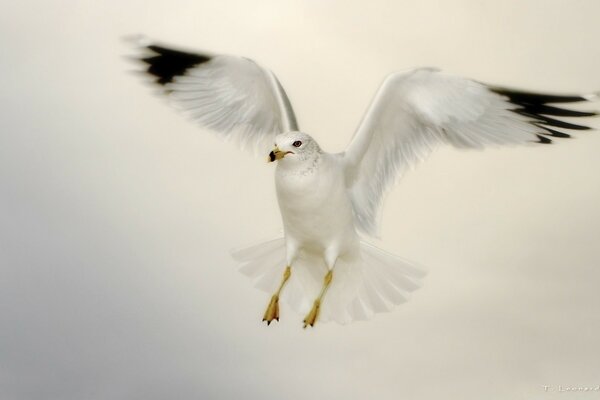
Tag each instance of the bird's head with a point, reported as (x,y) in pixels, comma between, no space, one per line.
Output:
(294,147)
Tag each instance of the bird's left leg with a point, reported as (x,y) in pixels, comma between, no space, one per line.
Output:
(330,258)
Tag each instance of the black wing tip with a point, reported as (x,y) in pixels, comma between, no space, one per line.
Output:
(535,106)
(524,97)
(542,109)
(553,132)
(164,63)
(543,139)
(547,121)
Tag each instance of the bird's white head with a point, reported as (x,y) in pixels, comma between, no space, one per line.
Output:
(294,148)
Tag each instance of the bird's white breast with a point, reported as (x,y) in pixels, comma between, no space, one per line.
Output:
(314,202)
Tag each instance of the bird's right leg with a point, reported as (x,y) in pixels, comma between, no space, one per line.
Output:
(272,311)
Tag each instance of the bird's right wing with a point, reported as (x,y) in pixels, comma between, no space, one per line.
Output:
(415,111)
(232,96)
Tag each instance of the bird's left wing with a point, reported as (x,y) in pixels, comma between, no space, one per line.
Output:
(415,111)
(233,96)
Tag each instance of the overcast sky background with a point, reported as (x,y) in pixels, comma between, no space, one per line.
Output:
(117,215)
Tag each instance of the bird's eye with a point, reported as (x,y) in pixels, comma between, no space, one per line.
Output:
(297,143)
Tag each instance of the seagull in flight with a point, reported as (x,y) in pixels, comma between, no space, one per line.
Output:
(331,202)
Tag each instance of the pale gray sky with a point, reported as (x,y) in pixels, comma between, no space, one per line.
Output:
(117,215)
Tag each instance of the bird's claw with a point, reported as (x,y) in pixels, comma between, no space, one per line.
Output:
(311,317)
(272,312)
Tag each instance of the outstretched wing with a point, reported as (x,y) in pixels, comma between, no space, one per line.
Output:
(415,111)
(233,96)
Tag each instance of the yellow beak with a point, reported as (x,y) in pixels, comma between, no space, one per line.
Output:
(275,155)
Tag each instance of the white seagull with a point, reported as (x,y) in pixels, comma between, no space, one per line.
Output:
(327,201)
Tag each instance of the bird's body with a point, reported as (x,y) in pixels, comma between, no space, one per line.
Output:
(315,187)
(330,202)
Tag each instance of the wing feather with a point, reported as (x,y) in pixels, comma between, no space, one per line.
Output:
(413,112)
(233,96)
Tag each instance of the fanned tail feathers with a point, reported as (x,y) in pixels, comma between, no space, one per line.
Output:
(374,283)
